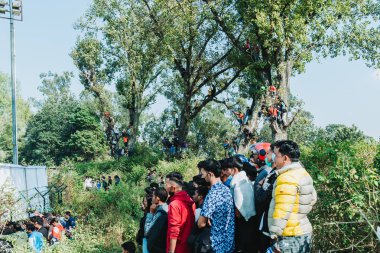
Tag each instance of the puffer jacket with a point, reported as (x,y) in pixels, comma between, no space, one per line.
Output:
(292,199)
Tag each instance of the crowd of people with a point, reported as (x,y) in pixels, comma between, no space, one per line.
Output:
(41,230)
(113,136)
(175,147)
(101,184)
(238,204)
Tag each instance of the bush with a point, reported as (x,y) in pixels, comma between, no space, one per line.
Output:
(347,184)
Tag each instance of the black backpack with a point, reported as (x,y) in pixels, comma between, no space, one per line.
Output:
(199,240)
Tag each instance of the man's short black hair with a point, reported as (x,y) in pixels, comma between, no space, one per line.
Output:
(37,219)
(250,170)
(288,148)
(68,213)
(199,180)
(237,163)
(129,246)
(30,227)
(200,164)
(211,165)
(176,177)
(232,162)
(161,193)
(202,191)
(154,185)
(54,220)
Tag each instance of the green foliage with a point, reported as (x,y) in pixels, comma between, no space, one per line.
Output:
(209,131)
(23,115)
(347,183)
(63,128)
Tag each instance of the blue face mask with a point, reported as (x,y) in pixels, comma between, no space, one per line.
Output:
(273,157)
(269,164)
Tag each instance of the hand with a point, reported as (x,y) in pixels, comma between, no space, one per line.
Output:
(237,213)
(153,208)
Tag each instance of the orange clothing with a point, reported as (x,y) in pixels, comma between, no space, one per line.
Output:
(57,231)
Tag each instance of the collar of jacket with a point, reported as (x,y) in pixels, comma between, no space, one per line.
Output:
(292,166)
(163,207)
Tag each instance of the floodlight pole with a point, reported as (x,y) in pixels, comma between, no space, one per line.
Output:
(13,84)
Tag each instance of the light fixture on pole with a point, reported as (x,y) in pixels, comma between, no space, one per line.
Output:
(14,8)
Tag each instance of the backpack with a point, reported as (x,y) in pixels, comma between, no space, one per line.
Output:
(199,240)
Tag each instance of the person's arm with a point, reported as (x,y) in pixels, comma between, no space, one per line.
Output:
(31,242)
(208,209)
(314,197)
(285,198)
(151,218)
(202,222)
(174,224)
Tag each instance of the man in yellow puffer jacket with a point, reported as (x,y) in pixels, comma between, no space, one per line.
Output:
(293,198)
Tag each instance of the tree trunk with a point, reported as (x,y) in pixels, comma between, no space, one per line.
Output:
(134,122)
(184,125)
(255,107)
(279,131)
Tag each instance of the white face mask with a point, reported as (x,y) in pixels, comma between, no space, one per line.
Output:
(273,157)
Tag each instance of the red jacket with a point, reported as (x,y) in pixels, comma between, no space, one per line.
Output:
(181,219)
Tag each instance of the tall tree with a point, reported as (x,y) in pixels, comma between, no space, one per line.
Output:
(202,61)
(88,57)
(288,34)
(63,127)
(130,57)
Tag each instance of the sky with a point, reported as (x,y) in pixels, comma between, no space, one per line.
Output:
(333,90)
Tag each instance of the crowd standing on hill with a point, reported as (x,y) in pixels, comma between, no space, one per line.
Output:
(236,204)
(104,183)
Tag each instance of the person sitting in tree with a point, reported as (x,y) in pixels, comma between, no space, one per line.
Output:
(247,45)
(226,144)
(281,106)
(126,134)
(273,112)
(263,110)
(240,117)
(110,124)
(272,91)
(211,91)
(247,115)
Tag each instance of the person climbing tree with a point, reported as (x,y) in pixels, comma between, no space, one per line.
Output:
(273,113)
(126,137)
(110,124)
(240,117)
(272,91)
(264,110)
(247,115)
(247,45)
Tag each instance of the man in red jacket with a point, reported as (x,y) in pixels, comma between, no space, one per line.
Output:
(181,215)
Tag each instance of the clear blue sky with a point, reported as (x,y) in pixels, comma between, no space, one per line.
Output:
(334,90)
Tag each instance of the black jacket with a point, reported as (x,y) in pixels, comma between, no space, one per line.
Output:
(156,236)
(140,233)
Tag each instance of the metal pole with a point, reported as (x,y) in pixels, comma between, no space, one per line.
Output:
(13,84)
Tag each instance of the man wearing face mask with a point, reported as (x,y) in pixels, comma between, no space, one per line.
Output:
(293,198)
(263,196)
(225,175)
(181,215)
(218,210)
(242,192)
